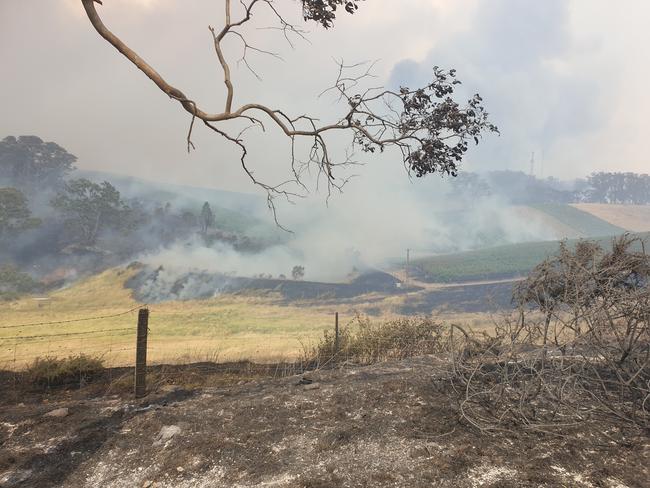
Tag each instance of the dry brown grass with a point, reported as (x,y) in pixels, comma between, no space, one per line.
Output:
(635,218)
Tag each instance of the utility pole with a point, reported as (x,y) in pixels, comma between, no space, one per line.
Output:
(408,263)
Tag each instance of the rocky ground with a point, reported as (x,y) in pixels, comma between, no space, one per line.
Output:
(387,425)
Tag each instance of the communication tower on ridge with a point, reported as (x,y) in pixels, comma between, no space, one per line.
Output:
(532,164)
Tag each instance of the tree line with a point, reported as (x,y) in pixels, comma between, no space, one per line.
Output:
(520,188)
(624,188)
(39,194)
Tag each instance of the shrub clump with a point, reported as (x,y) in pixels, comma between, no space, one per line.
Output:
(51,371)
(14,283)
(365,342)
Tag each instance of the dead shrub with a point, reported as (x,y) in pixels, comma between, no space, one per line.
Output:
(576,350)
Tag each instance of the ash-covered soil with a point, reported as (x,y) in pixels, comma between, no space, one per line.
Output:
(387,425)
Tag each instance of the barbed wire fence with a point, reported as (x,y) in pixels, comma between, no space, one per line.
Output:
(68,353)
(131,354)
(64,352)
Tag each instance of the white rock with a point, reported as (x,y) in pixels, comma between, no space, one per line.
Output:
(166,434)
(59,412)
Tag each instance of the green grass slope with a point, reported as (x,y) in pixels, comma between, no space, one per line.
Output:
(584,223)
(492,263)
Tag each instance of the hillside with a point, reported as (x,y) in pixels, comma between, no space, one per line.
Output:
(555,228)
(584,224)
(227,326)
(234,212)
(135,187)
(494,263)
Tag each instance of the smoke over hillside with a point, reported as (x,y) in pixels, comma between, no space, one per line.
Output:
(365,230)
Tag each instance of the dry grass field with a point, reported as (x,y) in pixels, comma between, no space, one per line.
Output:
(635,218)
(224,328)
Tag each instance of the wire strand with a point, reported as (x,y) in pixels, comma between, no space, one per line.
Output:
(73,320)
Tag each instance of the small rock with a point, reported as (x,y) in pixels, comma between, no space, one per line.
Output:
(166,434)
(312,386)
(147,484)
(13,478)
(109,410)
(419,452)
(180,469)
(59,412)
(241,382)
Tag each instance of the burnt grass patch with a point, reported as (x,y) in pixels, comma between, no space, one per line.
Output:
(488,297)
(151,286)
(155,285)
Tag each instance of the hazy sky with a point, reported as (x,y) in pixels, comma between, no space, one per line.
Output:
(564,78)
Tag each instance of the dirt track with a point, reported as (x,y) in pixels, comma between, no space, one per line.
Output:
(376,426)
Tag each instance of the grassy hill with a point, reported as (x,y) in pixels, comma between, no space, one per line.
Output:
(492,263)
(234,212)
(229,327)
(584,223)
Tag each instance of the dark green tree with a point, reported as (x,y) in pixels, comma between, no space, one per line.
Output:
(207,218)
(15,215)
(90,208)
(28,162)
(471,187)
(298,272)
(625,188)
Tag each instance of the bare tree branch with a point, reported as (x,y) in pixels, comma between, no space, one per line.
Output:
(431,131)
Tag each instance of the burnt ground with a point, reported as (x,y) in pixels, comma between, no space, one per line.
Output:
(150,286)
(470,298)
(155,285)
(387,425)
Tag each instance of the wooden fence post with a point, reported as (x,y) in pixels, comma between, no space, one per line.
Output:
(141,353)
(336,333)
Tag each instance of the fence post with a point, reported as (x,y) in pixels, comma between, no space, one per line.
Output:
(336,333)
(141,353)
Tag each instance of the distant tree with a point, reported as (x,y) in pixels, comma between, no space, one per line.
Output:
(282,277)
(471,187)
(207,218)
(189,218)
(298,272)
(522,189)
(15,215)
(626,188)
(28,162)
(89,208)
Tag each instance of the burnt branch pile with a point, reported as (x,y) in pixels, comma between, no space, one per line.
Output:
(577,349)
